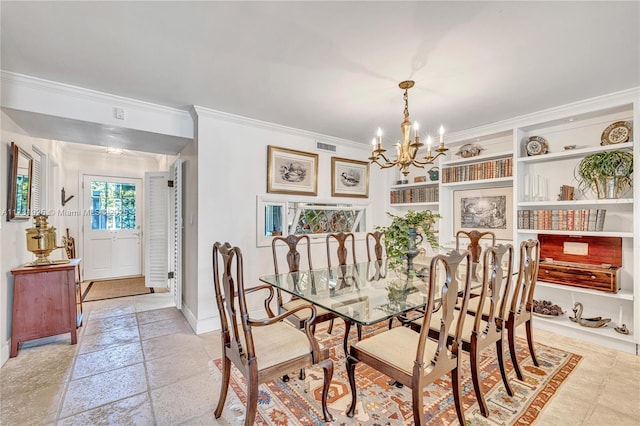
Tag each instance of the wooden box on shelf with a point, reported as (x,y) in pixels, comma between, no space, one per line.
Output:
(591,262)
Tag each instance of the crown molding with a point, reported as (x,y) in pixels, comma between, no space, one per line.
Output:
(11,78)
(611,100)
(198,111)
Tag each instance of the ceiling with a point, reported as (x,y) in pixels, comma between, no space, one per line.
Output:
(331,67)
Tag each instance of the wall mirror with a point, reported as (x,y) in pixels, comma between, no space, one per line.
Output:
(19,191)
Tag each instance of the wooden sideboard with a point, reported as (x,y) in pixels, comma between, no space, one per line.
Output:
(46,302)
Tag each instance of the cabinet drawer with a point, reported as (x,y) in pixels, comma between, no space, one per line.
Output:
(596,278)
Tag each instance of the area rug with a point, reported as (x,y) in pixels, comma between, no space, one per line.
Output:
(297,402)
(121,287)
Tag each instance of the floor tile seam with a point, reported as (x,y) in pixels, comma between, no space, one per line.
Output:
(181,379)
(111,346)
(67,383)
(107,371)
(58,418)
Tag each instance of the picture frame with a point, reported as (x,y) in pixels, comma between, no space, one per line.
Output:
(484,209)
(349,178)
(291,172)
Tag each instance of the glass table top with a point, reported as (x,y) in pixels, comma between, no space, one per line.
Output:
(365,293)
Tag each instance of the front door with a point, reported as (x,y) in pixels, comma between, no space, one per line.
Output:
(112,229)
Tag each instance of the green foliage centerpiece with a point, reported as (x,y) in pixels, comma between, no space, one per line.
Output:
(608,173)
(400,236)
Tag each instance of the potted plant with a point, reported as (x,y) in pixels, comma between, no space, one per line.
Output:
(607,173)
(401,235)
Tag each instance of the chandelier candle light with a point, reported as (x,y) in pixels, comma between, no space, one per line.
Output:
(407,151)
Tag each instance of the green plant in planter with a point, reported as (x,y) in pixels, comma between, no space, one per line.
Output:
(607,173)
(396,235)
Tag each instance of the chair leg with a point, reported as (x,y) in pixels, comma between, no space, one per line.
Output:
(224,386)
(529,329)
(302,374)
(455,383)
(359,327)
(327,367)
(512,349)
(503,371)
(252,402)
(330,327)
(475,377)
(390,323)
(285,378)
(418,405)
(351,371)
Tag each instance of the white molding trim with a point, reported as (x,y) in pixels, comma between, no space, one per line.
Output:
(198,111)
(610,100)
(5,351)
(200,326)
(34,94)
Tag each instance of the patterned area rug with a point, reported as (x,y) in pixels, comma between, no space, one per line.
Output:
(111,289)
(379,403)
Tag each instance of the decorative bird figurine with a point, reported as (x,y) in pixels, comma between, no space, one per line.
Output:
(587,322)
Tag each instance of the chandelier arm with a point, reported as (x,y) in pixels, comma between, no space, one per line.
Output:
(384,158)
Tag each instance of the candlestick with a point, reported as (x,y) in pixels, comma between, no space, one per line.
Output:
(415,126)
(441,135)
(428,146)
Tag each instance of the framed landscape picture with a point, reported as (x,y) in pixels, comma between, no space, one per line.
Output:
(349,178)
(486,209)
(291,172)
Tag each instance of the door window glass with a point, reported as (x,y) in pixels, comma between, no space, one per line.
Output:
(113,205)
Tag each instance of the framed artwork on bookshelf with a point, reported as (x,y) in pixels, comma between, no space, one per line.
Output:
(349,178)
(484,209)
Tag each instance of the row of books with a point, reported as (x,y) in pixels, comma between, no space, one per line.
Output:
(492,169)
(562,220)
(415,195)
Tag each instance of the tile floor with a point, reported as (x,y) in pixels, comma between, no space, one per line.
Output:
(138,362)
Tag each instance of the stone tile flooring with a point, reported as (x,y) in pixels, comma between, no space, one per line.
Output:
(138,362)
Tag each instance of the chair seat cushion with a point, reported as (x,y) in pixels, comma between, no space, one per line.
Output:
(384,347)
(277,343)
(304,314)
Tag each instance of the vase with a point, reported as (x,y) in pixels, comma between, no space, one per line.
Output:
(609,187)
(415,240)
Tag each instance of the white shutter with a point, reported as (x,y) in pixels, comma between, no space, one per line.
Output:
(36,184)
(175,249)
(156,229)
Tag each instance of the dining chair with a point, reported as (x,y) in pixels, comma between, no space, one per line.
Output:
(474,237)
(521,308)
(378,249)
(294,261)
(342,253)
(421,361)
(486,328)
(261,349)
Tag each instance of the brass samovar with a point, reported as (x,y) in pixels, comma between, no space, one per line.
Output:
(41,241)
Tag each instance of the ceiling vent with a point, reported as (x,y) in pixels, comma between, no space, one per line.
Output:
(325,146)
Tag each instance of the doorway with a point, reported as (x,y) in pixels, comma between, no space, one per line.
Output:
(111,227)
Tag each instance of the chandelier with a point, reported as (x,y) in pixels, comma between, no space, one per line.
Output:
(407,150)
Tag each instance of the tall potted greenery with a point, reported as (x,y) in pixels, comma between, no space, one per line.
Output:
(400,236)
(607,173)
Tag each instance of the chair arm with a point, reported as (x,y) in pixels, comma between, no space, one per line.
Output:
(267,301)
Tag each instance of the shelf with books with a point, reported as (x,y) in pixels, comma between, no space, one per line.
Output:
(483,182)
(414,194)
(575,203)
(478,170)
(621,234)
(423,204)
(477,158)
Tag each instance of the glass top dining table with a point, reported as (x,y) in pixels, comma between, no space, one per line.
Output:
(363,293)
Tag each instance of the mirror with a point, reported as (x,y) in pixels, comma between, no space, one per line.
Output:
(19,191)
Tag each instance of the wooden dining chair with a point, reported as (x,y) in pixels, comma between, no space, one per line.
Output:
(487,328)
(521,308)
(261,349)
(412,359)
(474,247)
(378,248)
(342,252)
(294,261)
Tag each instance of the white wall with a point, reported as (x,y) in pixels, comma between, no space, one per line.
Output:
(232,158)
(13,243)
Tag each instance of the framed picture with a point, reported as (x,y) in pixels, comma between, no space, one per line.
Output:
(486,209)
(291,172)
(349,178)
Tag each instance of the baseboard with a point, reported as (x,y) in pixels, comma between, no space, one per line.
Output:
(200,326)
(5,350)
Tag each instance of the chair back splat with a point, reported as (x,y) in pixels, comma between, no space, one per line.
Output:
(474,246)
(261,349)
(342,252)
(378,247)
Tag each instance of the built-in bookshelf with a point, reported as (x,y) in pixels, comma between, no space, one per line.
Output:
(490,169)
(562,219)
(415,194)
